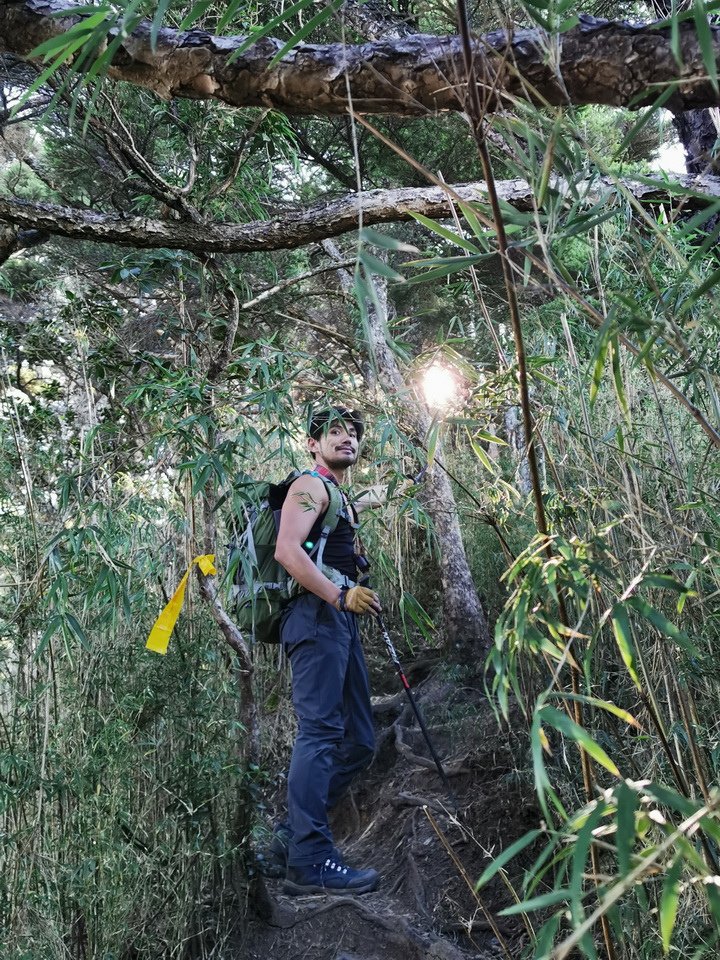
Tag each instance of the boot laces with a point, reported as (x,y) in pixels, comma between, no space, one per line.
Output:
(334,865)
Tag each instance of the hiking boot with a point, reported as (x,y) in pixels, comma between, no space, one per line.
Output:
(272,862)
(332,876)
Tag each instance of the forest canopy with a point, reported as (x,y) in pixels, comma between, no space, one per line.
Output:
(461,220)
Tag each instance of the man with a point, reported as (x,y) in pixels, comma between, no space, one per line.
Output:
(331,690)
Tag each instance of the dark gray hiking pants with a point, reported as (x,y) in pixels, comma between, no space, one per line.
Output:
(335,739)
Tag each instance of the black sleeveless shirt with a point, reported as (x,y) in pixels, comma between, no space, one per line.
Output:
(340,546)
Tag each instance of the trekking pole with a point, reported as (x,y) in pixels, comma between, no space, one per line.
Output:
(394,657)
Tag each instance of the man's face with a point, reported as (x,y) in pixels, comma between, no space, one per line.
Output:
(337,447)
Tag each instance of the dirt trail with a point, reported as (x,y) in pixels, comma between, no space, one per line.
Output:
(396,820)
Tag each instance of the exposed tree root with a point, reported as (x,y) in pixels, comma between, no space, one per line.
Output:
(451,769)
(384,705)
(396,929)
(413,873)
(408,800)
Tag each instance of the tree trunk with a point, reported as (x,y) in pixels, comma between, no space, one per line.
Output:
(515,433)
(466,627)
(596,61)
(699,131)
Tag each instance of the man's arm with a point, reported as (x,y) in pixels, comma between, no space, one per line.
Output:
(375,496)
(307,499)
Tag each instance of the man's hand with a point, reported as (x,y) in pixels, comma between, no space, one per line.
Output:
(359,600)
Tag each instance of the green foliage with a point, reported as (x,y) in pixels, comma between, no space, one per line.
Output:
(127,800)
(142,796)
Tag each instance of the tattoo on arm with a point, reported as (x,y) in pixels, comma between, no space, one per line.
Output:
(306,501)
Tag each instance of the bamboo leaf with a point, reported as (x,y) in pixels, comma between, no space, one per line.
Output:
(431,442)
(533,11)
(41,79)
(669,902)
(547,166)
(694,225)
(51,628)
(546,935)
(617,378)
(376,239)
(66,43)
(645,117)
(707,284)
(92,34)
(482,456)
(230,12)
(568,23)
(453,265)
(77,630)
(197,11)
(664,626)
(705,39)
(555,852)
(663,580)
(489,438)
(537,903)
(446,261)
(413,608)
(626,800)
(376,265)
(672,799)
(581,849)
(512,851)
(157,22)
(307,29)
(601,704)
(542,783)
(675,35)
(445,233)
(601,350)
(624,639)
(270,27)
(473,222)
(586,222)
(561,722)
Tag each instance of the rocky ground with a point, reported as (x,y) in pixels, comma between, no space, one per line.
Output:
(399,820)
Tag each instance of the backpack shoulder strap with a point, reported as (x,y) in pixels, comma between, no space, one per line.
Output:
(331,517)
(335,504)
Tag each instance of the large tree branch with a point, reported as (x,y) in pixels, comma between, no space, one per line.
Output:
(295,228)
(597,61)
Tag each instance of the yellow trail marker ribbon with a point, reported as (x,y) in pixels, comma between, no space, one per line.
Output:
(165,623)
